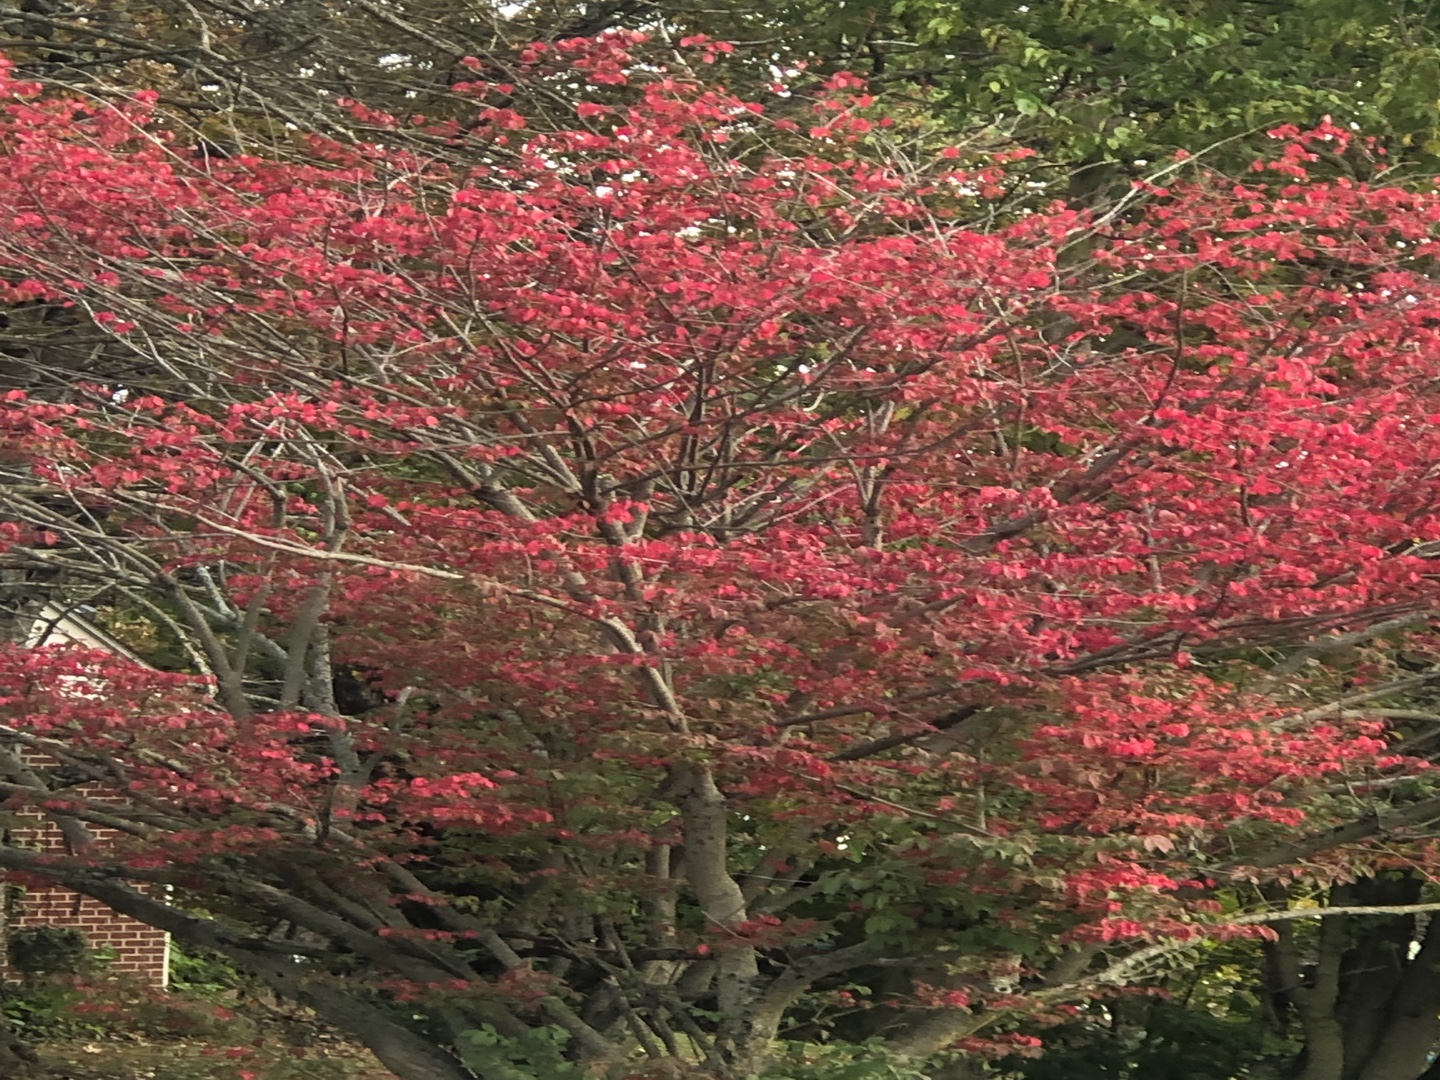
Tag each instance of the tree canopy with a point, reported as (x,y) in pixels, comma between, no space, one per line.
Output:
(1085,82)
(663,593)
(1090,80)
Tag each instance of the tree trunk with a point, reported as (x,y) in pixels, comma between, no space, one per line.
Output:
(1324,1035)
(1403,1048)
(18,1062)
(1375,966)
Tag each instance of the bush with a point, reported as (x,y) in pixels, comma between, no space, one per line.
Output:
(49,950)
(61,1007)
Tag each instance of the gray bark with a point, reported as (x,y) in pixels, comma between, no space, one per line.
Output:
(1403,1048)
(409,1055)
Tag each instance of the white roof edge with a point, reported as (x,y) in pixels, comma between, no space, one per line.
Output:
(56,624)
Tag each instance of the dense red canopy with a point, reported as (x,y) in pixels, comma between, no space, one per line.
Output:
(732,549)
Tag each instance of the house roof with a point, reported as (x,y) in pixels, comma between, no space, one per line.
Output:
(58,624)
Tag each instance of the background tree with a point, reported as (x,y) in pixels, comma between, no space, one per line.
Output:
(1087,82)
(1092,82)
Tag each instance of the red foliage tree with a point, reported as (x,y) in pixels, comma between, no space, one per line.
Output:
(626,583)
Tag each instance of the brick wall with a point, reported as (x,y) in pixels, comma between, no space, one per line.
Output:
(135,949)
(138,950)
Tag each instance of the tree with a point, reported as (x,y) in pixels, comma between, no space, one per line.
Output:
(1347,996)
(1095,84)
(639,598)
(1099,80)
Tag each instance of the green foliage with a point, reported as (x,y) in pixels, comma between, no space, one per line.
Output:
(49,950)
(44,1011)
(61,1008)
(865,1061)
(204,973)
(538,1055)
(1174,1042)
(1089,81)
